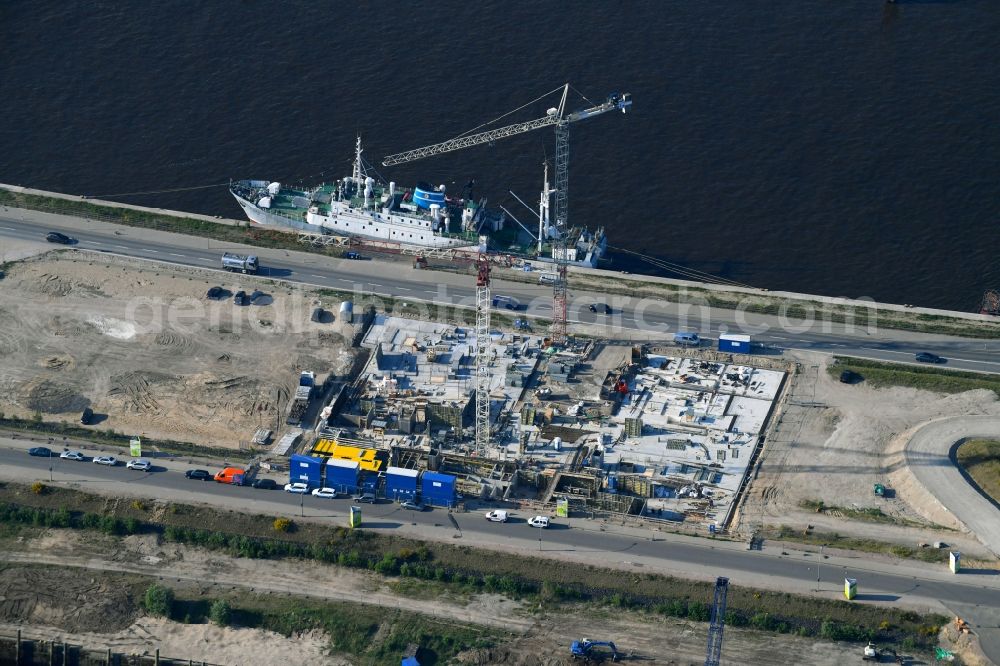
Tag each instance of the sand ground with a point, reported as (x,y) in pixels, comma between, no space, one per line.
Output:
(533,637)
(142,346)
(832,442)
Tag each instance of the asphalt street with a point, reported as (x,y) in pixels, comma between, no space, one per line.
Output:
(882,582)
(630,317)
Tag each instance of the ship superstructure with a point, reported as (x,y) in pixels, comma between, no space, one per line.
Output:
(359,205)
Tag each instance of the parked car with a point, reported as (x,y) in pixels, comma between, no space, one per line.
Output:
(300,488)
(40,451)
(413,506)
(240,298)
(140,464)
(215,293)
(498,516)
(199,474)
(600,307)
(317,315)
(258,298)
(56,237)
(110,461)
(87,417)
(352,255)
(850,377)
(539,521)
(927,357)
(71,455)
(326,493)
(365,498)
(265,484)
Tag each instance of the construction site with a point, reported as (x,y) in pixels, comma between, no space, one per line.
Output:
(589,426)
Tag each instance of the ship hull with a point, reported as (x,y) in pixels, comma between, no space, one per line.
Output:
(357,226)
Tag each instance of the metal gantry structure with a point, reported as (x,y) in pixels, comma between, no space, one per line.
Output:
(718,620)
(558,118)
(483,353)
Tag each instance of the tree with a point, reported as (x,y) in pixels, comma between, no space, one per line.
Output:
(220,613)
(159,600)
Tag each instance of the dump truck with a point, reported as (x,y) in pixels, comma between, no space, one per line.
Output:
(300,403)
(240,263)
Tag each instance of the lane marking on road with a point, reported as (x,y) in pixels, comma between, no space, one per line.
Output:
(121,247)
(887,351)
(176,255)
(775,337)
(8,228)
(403,289)
(153,251)
(949,358)
(203,259)
(321,277)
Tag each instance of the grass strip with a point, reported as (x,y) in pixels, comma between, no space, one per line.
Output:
(62,430)
(462,569)
(882,374)
(980,458)
(836,540)
(869,514)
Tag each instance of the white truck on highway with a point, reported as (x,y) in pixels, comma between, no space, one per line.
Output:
(239,262)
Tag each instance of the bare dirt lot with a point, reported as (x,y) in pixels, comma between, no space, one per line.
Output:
(142,346)
(532,637)
(834,441)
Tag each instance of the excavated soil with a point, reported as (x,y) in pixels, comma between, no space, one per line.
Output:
(66,598)
(141,345)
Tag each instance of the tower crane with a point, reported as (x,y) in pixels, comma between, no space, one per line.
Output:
(558,118)
(718,620)
(483,352)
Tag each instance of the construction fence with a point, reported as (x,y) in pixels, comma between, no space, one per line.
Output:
(20,649)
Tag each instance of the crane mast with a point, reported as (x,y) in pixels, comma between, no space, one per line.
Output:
(483,353)
(718,621)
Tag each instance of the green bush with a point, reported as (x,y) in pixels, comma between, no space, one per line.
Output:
(220,613)
(699,611)
(159,600)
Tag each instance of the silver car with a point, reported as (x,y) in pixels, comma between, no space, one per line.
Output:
(71,455)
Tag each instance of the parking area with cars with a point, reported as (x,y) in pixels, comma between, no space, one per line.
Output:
(297,497)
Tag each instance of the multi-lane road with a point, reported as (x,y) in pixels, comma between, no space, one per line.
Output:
(579,538)
(630,317)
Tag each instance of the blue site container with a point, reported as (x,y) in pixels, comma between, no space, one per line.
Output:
(437,489)
(400,483)
(369,482)
(305,469)
(739,344)
(342,475)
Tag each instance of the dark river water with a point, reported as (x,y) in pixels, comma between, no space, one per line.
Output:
(840,147)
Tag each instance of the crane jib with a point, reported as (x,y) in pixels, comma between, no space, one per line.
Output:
(622,102)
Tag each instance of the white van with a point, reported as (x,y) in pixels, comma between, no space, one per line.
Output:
(497,516)
(548,278)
